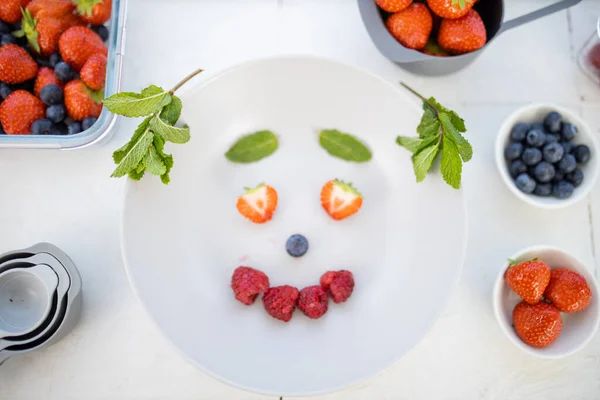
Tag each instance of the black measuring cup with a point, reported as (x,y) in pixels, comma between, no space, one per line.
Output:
(491,12)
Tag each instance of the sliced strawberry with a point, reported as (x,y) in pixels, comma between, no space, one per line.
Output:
(340,200)
(258,204)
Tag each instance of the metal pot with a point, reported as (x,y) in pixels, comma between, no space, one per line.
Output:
(491,12)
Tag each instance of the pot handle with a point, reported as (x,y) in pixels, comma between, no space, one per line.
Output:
(542,12)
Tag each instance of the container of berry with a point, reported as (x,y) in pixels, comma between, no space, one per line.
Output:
(547,156)
(588,57)
(58,60)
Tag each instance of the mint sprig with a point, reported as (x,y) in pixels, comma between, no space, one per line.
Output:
(145,150)
(439,132)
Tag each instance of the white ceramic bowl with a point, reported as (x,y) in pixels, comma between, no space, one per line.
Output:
(578,328)
(535,113)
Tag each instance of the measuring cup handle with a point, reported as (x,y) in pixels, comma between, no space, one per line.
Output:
(542,12)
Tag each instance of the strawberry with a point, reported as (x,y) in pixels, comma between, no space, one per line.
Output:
(411,26)
(79,103)
(79,43)
(393,6)
(528,279)
(568,291)
(340,200)
(19,110)
(53,8)
(10,10)
(43,31)
(537,325)
(16,65)
(45,77)
(258,204)
(93,73)
(95,12)
(450,9)
(462,35)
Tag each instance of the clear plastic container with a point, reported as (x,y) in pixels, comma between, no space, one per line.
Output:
(103,126)
(588,58)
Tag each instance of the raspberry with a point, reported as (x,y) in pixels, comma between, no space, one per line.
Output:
(313,301)
(247,283)
(339,283)
(280,302)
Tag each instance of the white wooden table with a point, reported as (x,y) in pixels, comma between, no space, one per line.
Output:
(116,353)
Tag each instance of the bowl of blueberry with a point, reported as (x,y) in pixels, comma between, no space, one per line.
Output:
(547,156)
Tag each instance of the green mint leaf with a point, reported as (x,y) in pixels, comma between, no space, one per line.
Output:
(132,157)
(168,132)
(253,147)
(154,163)
(167,159)
(429,125)
(451,164)
(119,154)
(423,160)
(344,146)
(464,147)
(409,143)
(172,111)
(150,101)
(457,121)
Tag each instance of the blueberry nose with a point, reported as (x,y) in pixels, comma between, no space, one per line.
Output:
(296,245)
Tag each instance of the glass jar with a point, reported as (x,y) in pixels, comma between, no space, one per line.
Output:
(588,58)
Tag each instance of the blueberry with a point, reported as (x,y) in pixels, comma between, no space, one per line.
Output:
(60,129)
(4,27)
(531,156)
(87,123)
(525,183)
(582,154)
(296,245)
(536,138)
(513,151)
(551,138)
(54,59)
(42,127)
(575,177)
(552,122)
(74,128)
(7,38)
(63,71)
(553,152)
(543,189)
(567,164)
(516,168)
(562,189)
(68,120)
(102,31)
(519,131)
(56,113)
(5,90)
(568,131)
(568,146)
(544,172)
(51,94)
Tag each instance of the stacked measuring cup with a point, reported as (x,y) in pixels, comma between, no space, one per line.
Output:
(40,298)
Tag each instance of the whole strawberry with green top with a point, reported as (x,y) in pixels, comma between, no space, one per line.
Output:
(528,279)
(95,12)
(462,35)
(78,43)
(450,9)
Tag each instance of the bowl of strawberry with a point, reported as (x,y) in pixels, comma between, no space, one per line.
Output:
(438,37)
(53,67)
(547,156)
(546,302)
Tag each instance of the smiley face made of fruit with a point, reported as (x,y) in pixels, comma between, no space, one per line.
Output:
(340,200)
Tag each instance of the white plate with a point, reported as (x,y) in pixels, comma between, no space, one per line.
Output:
(405,247)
